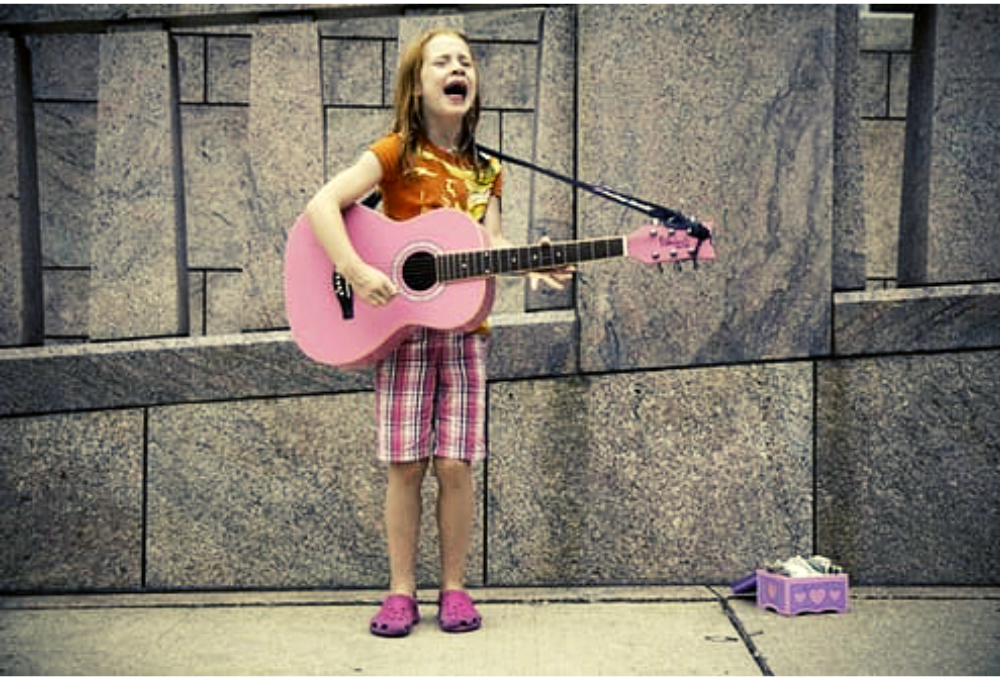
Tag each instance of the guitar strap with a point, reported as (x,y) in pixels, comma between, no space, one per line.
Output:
(666,216)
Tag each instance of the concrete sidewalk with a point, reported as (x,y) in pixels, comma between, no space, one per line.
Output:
(598,631)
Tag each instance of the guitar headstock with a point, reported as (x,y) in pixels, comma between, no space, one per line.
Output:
(671,243)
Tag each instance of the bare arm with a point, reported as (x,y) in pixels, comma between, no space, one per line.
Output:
(325,213)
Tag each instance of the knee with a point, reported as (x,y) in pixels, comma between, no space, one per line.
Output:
(408,474)
(452,473)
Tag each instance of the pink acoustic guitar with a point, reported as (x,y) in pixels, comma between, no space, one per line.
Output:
(444,271)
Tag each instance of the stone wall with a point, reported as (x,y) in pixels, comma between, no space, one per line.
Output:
(159,430)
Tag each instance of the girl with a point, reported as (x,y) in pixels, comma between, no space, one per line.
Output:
(430,394)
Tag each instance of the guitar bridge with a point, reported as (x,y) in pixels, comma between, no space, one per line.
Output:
(345,295)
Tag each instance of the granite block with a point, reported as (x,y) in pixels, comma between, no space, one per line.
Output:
(190,68)
(737,131)
(849,228)
(692,476)
(950,195)
(349,132)
(555,119)
(508,74)
(66,302)
(67,148)
(65,66)
(385,27)
(517,137)
(223,297)
(168,371)
(218,185)
(899,84)
(874,84)
(228,69)
(413,24)
(20,260)
(917,320)
(535,344)
(71,502)
(908,468)
(348,66)
(887,32)
(286,151)
(274,493)
(196,302)
(508,25)
(884,142)
(139,263)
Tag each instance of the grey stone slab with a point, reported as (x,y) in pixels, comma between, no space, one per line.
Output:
(228,69)
(66,302)
(219,367)
(953,150)
(349,132)
(508,74)
(71,502)
(874,84)
(883,148)
(286,151)
(899,84)
(886,31)
(137,249)
(223,297)
(274,493)
(748,108)
(385,27)
(956,638)
(219,190)
(680,477)
(907,468)
(112,375)
(348,67)
(917,319)
(510,25)
(66,136)
(552,201)
(849,228)
(620,639)
(190,68)
(413,24)
(65,66)
(536,344)
(20,261)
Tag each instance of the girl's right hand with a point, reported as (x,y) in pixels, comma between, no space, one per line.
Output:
(373,286)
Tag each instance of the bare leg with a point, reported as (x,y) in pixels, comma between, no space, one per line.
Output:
(454,514)
(402,520)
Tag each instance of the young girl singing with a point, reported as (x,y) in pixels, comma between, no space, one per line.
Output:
(430,394)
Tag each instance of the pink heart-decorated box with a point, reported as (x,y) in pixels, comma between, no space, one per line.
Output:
(791,596)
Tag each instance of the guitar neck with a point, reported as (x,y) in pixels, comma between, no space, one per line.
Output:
(496,262)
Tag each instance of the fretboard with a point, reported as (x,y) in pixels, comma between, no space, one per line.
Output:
(482,263)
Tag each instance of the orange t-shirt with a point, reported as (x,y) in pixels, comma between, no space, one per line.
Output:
(437,180)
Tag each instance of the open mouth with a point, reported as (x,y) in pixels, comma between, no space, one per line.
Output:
(457,90)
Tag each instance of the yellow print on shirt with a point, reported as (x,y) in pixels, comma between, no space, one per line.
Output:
(463,188)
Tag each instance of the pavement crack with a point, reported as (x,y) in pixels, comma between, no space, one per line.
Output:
(744,636)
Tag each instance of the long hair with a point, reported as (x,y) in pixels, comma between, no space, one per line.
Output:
(409,123)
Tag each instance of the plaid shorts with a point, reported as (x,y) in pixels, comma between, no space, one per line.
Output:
(432,390)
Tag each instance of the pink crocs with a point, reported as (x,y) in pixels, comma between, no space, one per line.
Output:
(397,617)
(457,613)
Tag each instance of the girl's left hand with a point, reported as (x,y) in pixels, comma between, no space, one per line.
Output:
(556,279)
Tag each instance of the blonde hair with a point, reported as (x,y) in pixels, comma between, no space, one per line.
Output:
(409,122)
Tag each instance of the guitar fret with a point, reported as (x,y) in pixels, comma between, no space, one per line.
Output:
(457,266)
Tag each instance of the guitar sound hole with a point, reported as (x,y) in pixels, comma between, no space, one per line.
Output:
(418,272)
